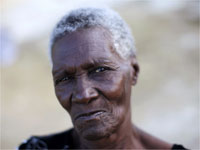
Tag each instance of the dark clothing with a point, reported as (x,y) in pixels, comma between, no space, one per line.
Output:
(61,140)
(175,146)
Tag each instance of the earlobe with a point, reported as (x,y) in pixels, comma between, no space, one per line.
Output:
(135,70)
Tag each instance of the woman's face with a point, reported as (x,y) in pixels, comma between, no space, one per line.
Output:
(92,82)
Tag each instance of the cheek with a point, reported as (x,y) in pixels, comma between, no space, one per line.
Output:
(63,95)
(113,88)
(117,91)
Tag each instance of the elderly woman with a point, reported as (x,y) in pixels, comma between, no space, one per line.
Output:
(94,67)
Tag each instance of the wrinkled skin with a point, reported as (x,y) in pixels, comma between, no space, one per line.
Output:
(93,83)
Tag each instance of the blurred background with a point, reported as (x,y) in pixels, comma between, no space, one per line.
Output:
(165,101)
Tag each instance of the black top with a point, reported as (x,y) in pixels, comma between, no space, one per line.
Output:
(61,140)
(175,146)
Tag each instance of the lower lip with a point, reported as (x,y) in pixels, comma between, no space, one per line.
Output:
(91,117)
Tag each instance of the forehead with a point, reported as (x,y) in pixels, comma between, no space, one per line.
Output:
(83,46)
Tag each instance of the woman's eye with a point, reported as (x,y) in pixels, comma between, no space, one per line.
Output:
(100,69)
(63,79)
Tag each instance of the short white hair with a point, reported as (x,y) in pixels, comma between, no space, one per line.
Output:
(81,18)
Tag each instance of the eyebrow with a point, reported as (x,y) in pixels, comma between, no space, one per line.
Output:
(101,61)
(91,64)
(59,71)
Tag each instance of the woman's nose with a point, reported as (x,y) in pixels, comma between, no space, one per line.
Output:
(84,93)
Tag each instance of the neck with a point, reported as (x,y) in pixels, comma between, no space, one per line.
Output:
(125,137)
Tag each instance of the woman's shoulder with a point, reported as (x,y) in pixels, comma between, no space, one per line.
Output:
(61,140)
(151,142)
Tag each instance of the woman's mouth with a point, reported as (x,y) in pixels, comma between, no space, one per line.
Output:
(89,115)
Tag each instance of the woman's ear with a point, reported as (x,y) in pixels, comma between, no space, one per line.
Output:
(135,70)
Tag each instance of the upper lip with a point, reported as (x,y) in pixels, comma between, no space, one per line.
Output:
(88,113)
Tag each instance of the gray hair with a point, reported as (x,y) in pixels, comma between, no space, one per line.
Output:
(89,17)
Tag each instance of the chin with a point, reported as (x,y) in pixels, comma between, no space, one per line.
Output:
(95,133)
(97,129)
